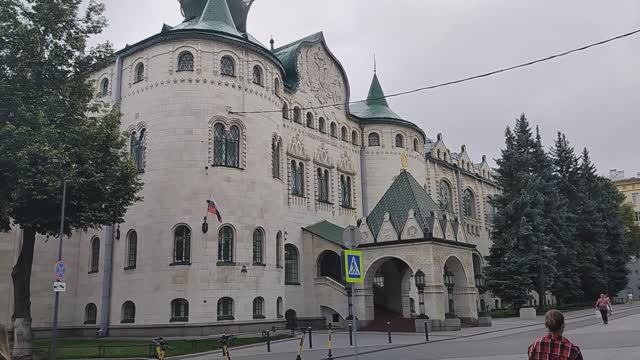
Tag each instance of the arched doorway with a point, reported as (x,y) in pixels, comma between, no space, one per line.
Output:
(330,265)
(454,277)
(389,279)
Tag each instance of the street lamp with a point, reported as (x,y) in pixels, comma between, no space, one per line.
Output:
(449,279)
(420,283)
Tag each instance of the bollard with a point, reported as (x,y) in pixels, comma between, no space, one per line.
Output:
(350,335)
(310,338)
(330,345)
(426,331)
(389,331)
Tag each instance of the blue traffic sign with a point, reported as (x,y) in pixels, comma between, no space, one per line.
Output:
(353,266)
(60,270)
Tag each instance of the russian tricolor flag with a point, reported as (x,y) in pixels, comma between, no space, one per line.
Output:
(214,209)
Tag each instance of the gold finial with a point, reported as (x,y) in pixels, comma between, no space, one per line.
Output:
(404,160)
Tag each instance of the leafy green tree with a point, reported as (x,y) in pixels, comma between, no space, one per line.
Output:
(52,130)
(632,229)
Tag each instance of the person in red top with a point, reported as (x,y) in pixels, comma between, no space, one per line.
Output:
(554,346)
(603,305)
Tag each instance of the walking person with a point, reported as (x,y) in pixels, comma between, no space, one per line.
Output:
(630,298)
(603,305)
(554,346)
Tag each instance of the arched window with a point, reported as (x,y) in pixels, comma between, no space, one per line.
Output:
(285,111)
(279,308)
(185,61)
(258,308)
(491,210)
(469,204)
(94,258)
(354,137)
(297,115)
(446,199)
(90,313)
(132,250)
(227,66)
(412,305)
(275,158)
(128,313)
(399,141)
(334,130)
(439,156)
(139,149)
(258,247)
(323,185)
(276,86)
(225,244)
(279,249)
(297,178)
(415,145)
(179,310)
(310,120)
(374,139)
(291,265)
(344,134)
(226,146)
(181,245)
(139,73)
(225,309)
(322,126)
(257,75)
(345,187)
(104,87)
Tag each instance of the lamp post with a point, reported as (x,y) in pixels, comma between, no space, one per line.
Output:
(420,283)
(449,279)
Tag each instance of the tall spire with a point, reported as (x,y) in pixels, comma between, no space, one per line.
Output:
(376,94)
(375,64)
(217,11)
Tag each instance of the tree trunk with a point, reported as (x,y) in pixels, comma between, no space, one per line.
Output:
(21,274)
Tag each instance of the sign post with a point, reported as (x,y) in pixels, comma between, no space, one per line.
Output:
(353,274)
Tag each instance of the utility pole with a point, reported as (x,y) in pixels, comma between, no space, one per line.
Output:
(52,352)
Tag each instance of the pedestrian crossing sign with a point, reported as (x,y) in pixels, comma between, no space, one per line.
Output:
(353,267)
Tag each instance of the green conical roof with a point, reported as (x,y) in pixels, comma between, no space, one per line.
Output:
(376,106)
(215,15)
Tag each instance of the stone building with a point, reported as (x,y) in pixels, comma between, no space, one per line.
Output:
(270,133)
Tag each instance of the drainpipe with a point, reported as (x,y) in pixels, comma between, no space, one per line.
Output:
(107,278)
(363,175)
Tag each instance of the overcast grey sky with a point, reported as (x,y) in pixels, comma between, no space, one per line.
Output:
(592,96)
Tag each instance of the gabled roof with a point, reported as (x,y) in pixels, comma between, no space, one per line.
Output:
(403,195)
(288,55)
(327,231)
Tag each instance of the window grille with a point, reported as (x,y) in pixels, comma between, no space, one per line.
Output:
(185,61)
(227,66)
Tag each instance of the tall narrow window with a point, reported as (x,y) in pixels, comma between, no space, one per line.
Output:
(179,310)
(132,250)
(128,313)
(374,139)
(258,308)
(257,75)
(446,199)
(334,130)
(412,305)
(291,265)
(226,146)
(354,137)
(297,115)
(275,158)
(345,185)
(469,204)
(139,149)
(185,61)
(225,309)
(310,120)
(415,145)
(181,245)
(279,250)
(285,111)
(94,260)
(139,73)
(104,87)
(322,125)
(258,247)
(225,244)
(227,66)
(90,313)
(279,308)
(344,134)
(297,178)
(399,141)
(323,185)
(276,86)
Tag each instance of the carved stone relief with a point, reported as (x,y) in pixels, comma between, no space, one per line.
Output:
(320,76)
